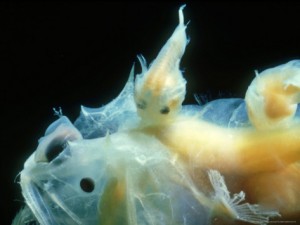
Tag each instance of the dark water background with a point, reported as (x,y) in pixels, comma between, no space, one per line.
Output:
(70,54)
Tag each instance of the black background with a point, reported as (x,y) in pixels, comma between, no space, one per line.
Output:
(70,54)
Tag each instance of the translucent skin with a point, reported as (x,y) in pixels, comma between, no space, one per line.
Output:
(261,159)
(144,154)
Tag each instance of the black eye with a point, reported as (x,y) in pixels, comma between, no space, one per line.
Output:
(141,104)
(165,110)
(87,184)
(54,149)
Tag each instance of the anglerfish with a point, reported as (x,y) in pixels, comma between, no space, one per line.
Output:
(147,159)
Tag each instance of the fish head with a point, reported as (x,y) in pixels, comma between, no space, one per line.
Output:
(121,178)
(53,181)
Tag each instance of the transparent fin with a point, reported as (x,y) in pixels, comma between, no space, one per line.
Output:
(232,206)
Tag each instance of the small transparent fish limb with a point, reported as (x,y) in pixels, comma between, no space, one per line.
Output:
(232,206)
(160,90)
(58,112)
(273,95)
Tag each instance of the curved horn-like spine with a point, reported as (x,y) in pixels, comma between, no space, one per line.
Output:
(169,56)
(273,96)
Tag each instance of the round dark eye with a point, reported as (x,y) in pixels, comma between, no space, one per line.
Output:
(87,184)
(54,149)
(165,110)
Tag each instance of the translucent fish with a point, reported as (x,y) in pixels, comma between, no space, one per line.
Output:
(146,159)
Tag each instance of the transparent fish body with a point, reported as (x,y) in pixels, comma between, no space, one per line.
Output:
(126,177)
(134,160)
